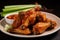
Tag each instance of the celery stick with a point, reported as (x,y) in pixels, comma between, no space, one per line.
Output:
(4,13)
(15,8)
(12,6)
(7,27)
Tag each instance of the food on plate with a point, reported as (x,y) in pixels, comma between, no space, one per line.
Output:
(32,21)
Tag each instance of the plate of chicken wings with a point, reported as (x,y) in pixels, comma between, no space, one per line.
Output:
(30,23)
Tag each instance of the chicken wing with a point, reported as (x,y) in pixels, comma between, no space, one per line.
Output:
(20,31)
(40,27)
(17,22)
(30,20)
(52,23)
(41,17)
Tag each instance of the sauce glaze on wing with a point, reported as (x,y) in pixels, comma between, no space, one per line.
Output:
(40,27)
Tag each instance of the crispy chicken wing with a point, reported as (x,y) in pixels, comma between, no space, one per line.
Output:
(30,19)
(52,23)
(40,27)
(20,31)
(17,22)
(41,16)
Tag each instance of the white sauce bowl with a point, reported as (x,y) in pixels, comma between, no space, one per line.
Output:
(9,21)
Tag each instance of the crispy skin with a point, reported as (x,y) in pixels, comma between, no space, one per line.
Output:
(20,31)
(52,23)
(41,17)
(25,24)
(17,22)
(40,27)
(30,19)
(20,19)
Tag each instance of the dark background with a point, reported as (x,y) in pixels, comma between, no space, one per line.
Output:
(49,4)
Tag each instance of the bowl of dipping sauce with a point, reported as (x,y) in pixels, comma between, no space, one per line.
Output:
(9,18)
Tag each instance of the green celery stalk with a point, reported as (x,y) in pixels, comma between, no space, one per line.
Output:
(7,12)
(12,6)
(13,10)
(16,8)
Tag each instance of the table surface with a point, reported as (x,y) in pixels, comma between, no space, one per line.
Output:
(54,36)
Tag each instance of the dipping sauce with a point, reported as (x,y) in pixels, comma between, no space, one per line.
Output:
(12,16)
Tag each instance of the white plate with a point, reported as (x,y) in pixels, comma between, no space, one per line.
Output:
(49,15)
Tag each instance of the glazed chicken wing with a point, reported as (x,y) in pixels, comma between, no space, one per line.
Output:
(40,27)
(52,23)
(17,22)
(41,16)
(20,31)
(30,19)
